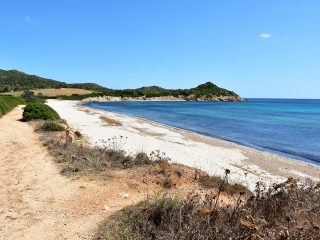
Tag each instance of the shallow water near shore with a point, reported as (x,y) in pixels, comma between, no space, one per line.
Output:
(289,127)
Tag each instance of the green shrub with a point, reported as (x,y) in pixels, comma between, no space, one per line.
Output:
(7,103)
(51,126)
(37,110)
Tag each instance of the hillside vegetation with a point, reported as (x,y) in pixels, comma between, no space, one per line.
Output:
(13,80)
(7,103)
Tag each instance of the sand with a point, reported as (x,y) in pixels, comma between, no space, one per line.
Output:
(214,156)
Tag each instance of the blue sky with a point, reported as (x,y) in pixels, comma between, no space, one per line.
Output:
(256,48)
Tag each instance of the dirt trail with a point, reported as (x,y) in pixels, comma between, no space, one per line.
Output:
(36,202)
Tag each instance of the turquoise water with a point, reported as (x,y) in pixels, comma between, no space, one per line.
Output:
(286,127)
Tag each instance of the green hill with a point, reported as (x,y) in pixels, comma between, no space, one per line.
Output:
(150,89)
(13,80)
(211,90)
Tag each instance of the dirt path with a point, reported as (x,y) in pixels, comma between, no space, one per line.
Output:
(36,202)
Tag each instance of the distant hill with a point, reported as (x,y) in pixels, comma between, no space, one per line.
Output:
(88,86)
(150,89)
(209,89)
(14,80)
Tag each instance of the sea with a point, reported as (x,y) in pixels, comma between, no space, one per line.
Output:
(288,127)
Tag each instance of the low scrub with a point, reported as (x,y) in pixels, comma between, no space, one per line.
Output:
(79,157)
(38,110)
(7,103)
(284,211)
(52,126)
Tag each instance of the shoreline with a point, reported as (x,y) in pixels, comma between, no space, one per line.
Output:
(168,98)
(203,134)
(212,155)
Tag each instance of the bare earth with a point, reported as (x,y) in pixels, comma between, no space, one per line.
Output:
(36,202)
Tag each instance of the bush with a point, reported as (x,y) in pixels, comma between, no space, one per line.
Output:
(52,126)
(7,103)
(37,110)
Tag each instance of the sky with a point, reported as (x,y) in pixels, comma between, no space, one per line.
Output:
(257,48)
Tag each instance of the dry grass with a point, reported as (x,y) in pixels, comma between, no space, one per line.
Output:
(50,92)
(285,211)
(81,158)
(110,121)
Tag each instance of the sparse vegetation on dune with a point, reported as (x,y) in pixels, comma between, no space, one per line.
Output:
(78,157)
(7,103)
(285,211)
